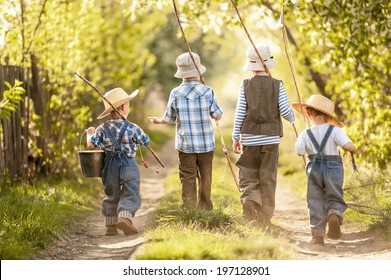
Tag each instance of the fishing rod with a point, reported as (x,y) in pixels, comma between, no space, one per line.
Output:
(225,150)
(123,118)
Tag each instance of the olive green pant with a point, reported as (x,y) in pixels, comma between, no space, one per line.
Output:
(195,166)
(258,176)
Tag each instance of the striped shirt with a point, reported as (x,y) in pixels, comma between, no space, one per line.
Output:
(191,106)
(133,135)
(256,140)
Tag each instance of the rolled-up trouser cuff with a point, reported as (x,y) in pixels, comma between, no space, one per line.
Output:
(126,215)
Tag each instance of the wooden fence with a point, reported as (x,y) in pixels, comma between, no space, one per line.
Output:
(14,133)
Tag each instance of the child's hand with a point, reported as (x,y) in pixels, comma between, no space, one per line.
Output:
(91,130)
(157,120)
(237,147)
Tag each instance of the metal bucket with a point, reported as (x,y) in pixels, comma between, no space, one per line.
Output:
(91,161)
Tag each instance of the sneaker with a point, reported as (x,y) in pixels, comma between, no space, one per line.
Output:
(317,240)
(334,231)
(126,226)
(111,230)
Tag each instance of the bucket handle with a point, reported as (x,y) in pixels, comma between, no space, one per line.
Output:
(81,137)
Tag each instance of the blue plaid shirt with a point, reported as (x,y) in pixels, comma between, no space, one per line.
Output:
(133,135)
(191,106)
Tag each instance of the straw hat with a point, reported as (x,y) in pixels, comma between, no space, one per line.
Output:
(186,68)
(253,62)
(320,103)
(117,97)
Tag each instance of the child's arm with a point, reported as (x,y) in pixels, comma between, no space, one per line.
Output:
(349,147)
(90,132)
(158,120)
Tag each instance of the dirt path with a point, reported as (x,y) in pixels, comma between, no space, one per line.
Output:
(86,240)
(291,215)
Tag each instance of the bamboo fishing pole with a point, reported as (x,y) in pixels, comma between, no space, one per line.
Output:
(292,68)
(116,110)
(260,57)
(225,150)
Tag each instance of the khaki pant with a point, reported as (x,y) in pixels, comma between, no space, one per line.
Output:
(257,178)
(191,167)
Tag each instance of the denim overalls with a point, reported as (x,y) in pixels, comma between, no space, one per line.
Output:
(121,180)
(324,187)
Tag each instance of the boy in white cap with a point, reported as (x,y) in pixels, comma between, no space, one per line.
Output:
(120,175)
(256,135)
(325,169)
(191,107)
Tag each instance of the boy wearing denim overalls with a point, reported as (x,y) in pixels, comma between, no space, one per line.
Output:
(120,175)
(324,169)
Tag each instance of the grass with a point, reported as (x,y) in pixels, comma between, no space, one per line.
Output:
(220,234)
(34,214)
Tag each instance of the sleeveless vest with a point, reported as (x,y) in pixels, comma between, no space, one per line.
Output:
(263,114)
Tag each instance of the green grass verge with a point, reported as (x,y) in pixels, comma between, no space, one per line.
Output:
(34,214)
(220,234)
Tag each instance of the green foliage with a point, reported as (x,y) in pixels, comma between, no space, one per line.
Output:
(34,215)
(382,224)
(11,99)
(351,39)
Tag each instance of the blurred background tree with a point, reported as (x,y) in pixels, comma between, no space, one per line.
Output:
(340,49)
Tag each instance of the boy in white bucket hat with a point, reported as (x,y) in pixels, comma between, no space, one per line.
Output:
(324,169)
(191,107)
(256,135)
(120,175)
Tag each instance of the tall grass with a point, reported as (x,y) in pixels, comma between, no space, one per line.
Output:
(34,214)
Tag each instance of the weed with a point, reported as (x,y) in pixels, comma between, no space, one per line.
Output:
(33,215)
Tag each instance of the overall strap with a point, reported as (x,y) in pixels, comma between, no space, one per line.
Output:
(319,148)
(116,143)
(326,137)
(122,133)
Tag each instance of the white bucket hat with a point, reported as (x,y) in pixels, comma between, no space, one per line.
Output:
(117,97)
(186,68)
(253,62)
(320,103)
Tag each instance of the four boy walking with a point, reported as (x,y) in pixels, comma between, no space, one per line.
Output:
(262,102)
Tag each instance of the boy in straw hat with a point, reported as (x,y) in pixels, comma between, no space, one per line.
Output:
(256,135)
(191,106)
(120,175)
(325,169)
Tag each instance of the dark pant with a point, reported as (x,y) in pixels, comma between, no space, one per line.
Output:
(257,177)
(191,167)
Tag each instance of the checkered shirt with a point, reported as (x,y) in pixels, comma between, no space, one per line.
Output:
(133,135)
(191,106)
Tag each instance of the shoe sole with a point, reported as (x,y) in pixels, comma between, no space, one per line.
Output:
(126,228)
(334,228)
